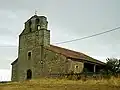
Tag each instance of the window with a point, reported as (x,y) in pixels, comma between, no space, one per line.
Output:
(30,30)
(69,59)
(76,66)
(29,55)
(30,23)
(38,27)
(30,26)
(77,69)
(37,20)
(41,62)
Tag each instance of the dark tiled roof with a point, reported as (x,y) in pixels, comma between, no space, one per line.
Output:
(73,54)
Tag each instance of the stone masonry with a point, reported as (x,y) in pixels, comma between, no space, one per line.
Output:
(36,58)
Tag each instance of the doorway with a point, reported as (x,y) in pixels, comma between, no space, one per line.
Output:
(29,74)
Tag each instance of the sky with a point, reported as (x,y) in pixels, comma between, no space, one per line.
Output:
(67,20)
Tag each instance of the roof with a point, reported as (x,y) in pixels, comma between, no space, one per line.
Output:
(73,54)
(35,16)
(14,61)
(70,54)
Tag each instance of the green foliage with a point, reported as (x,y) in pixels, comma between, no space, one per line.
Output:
(112,66)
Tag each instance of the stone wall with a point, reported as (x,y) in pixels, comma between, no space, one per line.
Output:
(14,71)
(29,43)
(54,63)
(75,66)
(57,63)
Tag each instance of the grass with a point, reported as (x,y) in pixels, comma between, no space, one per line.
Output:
(63,84)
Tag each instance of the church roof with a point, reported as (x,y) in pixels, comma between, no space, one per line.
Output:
(73,54)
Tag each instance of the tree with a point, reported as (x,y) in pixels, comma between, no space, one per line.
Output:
(112,66)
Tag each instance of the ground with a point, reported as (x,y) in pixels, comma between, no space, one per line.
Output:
(63,84)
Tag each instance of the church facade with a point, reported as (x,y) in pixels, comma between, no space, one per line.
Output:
(38,58)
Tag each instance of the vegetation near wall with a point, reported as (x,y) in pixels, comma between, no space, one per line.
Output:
(112,67)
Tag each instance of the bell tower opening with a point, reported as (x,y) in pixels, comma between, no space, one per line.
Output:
(29,74)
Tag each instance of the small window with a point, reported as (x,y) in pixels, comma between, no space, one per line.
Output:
(38,27)
(30,30)
(69,59)
(41,62)
(76,66)
(37,20)
(29,55)
(30,23)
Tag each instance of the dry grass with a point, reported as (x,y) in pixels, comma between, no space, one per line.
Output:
(63,84)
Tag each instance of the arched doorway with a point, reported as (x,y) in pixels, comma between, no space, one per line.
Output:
(29,74)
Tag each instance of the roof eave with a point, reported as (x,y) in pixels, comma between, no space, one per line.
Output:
(14,62)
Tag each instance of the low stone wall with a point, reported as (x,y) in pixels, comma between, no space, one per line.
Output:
(78,76)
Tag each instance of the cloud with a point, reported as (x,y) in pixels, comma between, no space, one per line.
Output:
(6,32)
(7,55)
(22,4)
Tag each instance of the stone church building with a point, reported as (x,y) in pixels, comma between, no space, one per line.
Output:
(38,58)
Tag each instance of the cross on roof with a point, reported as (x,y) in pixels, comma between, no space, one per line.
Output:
(35,12)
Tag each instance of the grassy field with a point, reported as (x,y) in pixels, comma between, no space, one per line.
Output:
(63,84)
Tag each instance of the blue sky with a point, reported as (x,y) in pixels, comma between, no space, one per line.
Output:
(67,19)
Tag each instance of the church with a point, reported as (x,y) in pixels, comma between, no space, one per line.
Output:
(38,58)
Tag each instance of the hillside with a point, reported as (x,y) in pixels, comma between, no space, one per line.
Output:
(62,84)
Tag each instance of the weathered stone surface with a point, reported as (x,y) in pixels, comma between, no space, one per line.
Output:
(75,66)
(14,71)
(41,61)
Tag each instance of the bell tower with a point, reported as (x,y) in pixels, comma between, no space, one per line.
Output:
(38,24)
(32,41)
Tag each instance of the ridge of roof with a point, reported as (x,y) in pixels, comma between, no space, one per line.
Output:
(73,54)
(69,50)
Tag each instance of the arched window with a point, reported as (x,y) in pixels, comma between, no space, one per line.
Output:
(37,20)
(29,55)
(30,23)
(29,74)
